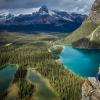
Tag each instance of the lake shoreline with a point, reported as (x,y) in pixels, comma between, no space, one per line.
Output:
(66,66)
(59,59)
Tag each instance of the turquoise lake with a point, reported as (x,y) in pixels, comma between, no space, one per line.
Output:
(84,62)
(6,76)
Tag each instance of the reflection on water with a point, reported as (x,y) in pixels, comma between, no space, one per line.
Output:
(84,62)
(44,90)
(16,80)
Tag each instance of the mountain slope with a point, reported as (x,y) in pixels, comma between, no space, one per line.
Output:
(86,28)
(95,35)
(82,36)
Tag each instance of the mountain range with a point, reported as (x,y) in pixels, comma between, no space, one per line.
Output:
(41,19)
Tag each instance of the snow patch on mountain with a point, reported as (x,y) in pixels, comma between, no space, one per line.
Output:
(39,19)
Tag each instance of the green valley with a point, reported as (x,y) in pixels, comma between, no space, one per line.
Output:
(31,51)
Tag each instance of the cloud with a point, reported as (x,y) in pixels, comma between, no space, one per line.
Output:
(81,6)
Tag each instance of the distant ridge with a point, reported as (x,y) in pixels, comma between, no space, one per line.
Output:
(41,19)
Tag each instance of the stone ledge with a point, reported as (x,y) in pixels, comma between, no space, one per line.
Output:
(91,89)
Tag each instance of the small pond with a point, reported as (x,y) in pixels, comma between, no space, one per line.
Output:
(6,76)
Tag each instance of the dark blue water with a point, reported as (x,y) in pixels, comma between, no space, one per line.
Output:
(6,77)
(84,62)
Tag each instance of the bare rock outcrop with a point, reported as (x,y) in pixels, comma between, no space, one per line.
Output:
(91,89)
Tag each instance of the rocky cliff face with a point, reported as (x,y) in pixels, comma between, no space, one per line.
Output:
(95,13)
(91,89)
(96,6)
(88,35)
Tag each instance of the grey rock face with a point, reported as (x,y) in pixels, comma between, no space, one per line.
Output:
(91,89)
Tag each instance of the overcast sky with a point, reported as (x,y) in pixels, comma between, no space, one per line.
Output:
(79,6)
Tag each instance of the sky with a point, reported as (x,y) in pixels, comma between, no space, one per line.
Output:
(78,6)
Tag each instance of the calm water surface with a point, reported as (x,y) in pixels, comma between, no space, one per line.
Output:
(84,62)
(44,92)
(6,76)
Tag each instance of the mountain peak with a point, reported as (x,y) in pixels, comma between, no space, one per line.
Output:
(43,9)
